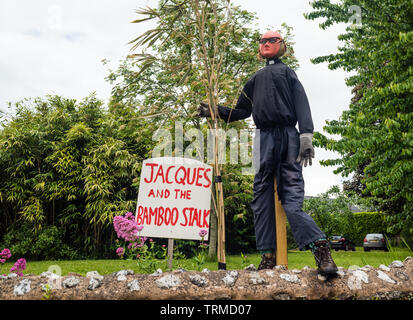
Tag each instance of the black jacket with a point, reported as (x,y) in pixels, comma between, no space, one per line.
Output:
(275,97)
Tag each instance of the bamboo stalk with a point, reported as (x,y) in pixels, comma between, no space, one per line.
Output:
(212,69)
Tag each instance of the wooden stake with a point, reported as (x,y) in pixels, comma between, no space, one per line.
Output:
(280,230)
(170,252)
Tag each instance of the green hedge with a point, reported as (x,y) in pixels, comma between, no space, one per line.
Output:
(367,222)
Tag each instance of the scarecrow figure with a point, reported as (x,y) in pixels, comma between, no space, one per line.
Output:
(277,101)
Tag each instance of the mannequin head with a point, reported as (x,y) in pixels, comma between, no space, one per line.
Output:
(272,45)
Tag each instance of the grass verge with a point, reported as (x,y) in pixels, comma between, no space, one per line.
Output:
(296,260)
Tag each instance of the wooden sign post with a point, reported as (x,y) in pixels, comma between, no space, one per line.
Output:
(280,230)
(170,252)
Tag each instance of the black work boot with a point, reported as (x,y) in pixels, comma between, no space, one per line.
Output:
(325,263)
(267,261)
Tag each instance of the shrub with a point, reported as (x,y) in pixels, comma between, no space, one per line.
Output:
(46,244)
(367,222)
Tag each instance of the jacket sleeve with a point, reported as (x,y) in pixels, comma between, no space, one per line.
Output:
(243,107)
(301,105)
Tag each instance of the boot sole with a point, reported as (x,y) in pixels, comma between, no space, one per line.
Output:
(329,272)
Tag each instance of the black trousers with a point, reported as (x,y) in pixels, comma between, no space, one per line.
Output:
(276,157)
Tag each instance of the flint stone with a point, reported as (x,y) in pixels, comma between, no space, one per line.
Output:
(402,276)
(134,285)
(355,280)
(384,268)
(230,278)
(50,275)
(255,278)
(270,273)
(22,288)
(341,272)
(167,282)
(71,282)
(280,268)
(121,275)
(179,270)
(251,267)
(12,275)
(383,276)
(199,280)
(157,273)
(290,277)
(124,272)
(205,270)
(121,278)
(94,274)
(94,283)
(367,268)
(396,264)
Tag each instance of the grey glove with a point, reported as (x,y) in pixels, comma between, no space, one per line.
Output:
(306,149)
(203,110)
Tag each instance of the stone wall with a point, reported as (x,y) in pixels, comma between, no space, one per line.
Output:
(386,282)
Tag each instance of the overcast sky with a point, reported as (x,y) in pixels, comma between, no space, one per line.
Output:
(56,47)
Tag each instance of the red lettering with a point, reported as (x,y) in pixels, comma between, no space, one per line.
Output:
(161,174)
(207,178)
(151,193)
(193,176)
(186,218)
(139,219)
(167,174)
(198,218)
(161,212)
(153,212)
(152,165)
(176,213)
(145,216)
(205,223)
(198,176)
(168,216)
(181,180)
(191,217)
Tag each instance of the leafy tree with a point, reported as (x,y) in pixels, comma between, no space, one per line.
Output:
(71,165)
(376,136)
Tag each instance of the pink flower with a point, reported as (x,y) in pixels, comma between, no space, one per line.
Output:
(126,227)
(5,254)
(203,233)
(120,251)
(20,265)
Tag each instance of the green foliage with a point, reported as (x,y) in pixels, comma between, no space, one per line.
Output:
(376,135)
(332,212)
(46,244)
(70,165)
(368,222)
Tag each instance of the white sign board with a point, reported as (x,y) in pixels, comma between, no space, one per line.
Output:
(174,198)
